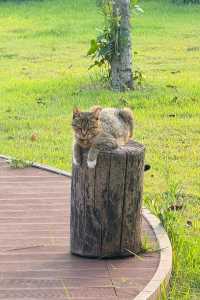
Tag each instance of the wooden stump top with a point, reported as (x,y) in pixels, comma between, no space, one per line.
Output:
(35,259)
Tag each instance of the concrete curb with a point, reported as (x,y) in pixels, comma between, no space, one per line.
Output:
(160,280)
(43,167)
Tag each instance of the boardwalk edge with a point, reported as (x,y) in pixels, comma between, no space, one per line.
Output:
(160,280)
(42,167)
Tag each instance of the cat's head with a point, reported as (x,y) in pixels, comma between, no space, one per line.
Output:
(86,124)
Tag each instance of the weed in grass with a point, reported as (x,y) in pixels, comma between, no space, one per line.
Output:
(19,163)
(147,245)
(174,223)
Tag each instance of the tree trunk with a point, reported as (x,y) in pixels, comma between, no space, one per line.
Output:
(106,203)
(121,65)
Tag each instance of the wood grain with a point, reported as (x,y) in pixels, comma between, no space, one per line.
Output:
(106,203)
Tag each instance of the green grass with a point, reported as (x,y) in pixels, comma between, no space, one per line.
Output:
(44,73)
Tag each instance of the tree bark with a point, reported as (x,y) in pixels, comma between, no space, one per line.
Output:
(106,203)
(121,65)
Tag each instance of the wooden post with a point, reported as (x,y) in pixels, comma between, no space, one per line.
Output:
(106,203)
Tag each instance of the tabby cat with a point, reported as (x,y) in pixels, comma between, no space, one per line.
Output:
(100,129)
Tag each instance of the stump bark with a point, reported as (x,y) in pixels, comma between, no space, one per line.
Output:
(121,64)
(106,203)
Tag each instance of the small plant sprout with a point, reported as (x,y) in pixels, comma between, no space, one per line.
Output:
(20,163)
(107,43)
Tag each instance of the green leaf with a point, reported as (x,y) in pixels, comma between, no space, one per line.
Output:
(138,9)
(93,47)
(134,2)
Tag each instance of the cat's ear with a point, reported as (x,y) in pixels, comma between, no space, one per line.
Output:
(96,111)
(76,112)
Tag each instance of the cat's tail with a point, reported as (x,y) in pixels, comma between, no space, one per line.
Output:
(127,116)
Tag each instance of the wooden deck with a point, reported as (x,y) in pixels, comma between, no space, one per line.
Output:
(35,259)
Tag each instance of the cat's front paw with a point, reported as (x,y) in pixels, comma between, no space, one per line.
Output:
(91,163)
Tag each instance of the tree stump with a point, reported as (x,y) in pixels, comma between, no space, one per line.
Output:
(106,203)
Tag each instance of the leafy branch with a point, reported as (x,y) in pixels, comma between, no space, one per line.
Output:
(107,43)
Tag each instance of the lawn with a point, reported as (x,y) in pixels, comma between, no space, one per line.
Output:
(44,73)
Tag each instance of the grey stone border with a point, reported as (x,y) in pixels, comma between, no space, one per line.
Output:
(160,280)
(43,167)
